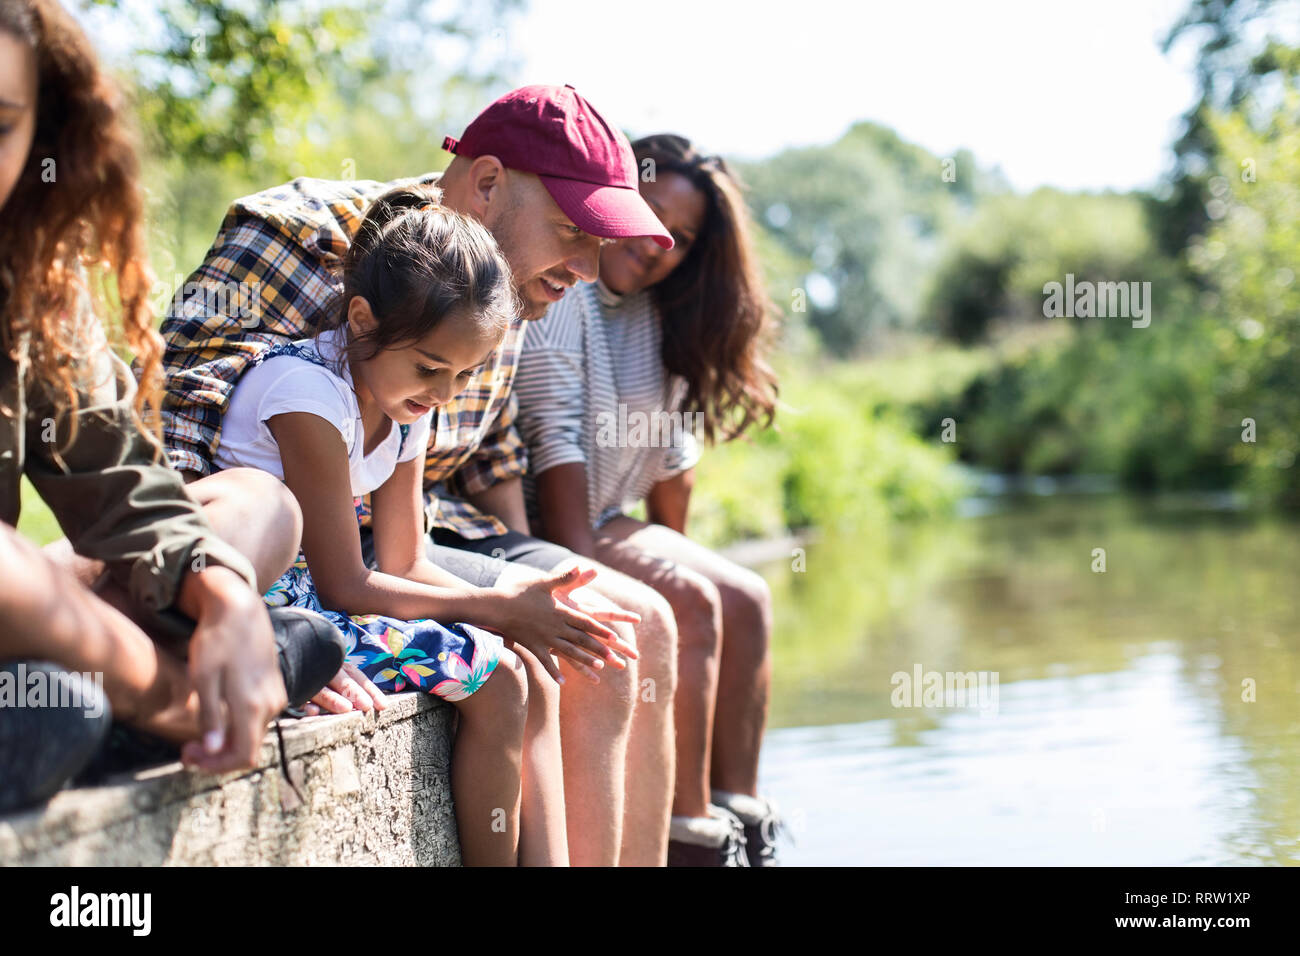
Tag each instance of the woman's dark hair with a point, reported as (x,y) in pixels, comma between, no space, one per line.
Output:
(416,262)
(717,318)
(73,223)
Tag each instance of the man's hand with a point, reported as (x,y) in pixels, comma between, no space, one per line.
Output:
(234,668)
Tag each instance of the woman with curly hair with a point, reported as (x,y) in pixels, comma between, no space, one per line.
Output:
(151,573)
(614,386)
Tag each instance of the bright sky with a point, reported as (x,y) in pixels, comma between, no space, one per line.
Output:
(1070,93)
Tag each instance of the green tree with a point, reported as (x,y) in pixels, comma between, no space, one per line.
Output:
(1235,59)
(243,83)
(869,214)
(997,264)
(1251,258)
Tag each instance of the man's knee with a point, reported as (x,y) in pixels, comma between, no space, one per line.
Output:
(604,709)
(657,637)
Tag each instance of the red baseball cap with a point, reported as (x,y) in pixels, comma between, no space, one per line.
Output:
(586,165)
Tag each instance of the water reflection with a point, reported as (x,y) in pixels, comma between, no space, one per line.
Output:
(1125,733)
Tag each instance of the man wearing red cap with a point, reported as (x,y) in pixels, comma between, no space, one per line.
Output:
(550,178)
(585,165)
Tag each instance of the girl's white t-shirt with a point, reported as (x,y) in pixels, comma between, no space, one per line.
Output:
(286,383)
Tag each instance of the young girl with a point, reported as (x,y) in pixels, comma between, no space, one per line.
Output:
(664,332)
(426,298)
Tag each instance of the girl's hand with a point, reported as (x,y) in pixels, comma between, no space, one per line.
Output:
(543,616)
(349,690)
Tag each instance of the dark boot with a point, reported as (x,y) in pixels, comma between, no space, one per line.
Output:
(761,821)
(310,650)
(715,840)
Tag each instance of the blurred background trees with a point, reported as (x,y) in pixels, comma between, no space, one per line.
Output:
(232,96)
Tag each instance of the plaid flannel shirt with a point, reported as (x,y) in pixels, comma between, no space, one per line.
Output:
(273,275)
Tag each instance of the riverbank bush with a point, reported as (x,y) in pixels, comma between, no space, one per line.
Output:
(844,456)
(1206,395)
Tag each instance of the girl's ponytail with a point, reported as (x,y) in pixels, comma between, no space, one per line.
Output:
(388,207)
(415,262)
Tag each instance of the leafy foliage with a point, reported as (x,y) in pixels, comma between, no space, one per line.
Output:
(1233,65)
(998,263)
(262,84)
(866,217)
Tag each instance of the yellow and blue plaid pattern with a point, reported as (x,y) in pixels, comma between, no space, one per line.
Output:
(273,275)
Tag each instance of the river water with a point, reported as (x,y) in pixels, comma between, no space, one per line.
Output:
(1147,713)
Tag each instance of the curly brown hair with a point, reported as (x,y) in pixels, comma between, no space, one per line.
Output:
(718,322)
(74,236)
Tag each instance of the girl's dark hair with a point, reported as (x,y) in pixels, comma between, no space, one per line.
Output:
(416,262)
(73,223)
(717,318)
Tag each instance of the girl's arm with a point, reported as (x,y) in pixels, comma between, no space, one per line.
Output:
(669,501)
(315,464)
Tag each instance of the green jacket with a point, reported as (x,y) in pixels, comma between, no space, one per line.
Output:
(111,499)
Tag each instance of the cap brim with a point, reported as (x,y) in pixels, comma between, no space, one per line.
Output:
(611,212)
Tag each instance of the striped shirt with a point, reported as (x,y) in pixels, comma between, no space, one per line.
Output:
(272,276)
(592,388)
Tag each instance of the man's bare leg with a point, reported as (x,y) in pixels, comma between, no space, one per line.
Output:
(594,723)
(627,720)
(697,610)
(651,752)
(744,672)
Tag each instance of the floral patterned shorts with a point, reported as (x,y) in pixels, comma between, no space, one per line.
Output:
(450,661)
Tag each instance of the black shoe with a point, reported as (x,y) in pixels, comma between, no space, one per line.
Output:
(310,650)
(763,825)
(760,840)
(718,840)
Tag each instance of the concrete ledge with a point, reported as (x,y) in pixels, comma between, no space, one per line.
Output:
(370,788)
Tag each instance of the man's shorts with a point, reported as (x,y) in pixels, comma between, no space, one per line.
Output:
(480,561)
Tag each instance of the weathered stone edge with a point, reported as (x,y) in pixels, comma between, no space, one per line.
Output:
(74,813)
